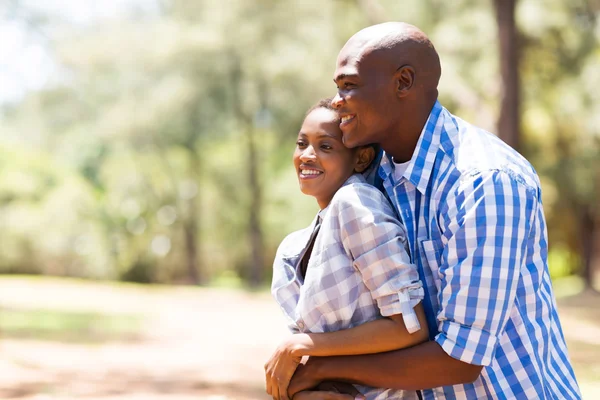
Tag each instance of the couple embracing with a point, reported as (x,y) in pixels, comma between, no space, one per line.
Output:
(424,274)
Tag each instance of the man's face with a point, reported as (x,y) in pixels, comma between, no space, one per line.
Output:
(366,98)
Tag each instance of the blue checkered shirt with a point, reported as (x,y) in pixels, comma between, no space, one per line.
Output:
(358,271)
(476,229)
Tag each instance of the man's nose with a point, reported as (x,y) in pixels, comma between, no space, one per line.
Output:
(337,100)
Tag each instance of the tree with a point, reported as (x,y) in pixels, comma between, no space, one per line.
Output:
(508,40)
(560,66)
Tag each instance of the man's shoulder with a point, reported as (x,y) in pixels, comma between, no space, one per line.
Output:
(475,152)
(356,192)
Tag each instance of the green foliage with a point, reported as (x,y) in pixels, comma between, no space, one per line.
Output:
(144,137)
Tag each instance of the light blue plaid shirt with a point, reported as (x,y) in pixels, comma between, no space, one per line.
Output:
(476,229)
(358,271)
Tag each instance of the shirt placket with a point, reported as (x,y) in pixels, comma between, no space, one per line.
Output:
(299,276)
(408,199)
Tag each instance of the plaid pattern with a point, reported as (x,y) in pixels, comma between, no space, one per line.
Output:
(358,271)
(476,230)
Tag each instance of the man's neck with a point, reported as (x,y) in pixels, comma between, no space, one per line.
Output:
(401,145)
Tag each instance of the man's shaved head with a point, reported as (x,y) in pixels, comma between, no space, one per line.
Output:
(387,77)
(399,44)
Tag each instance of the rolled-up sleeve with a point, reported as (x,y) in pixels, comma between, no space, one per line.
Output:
(487,224)
(375,240)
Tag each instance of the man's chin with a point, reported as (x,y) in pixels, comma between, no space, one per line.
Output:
(350,141)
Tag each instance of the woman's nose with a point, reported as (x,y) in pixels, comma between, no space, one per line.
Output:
(308,154)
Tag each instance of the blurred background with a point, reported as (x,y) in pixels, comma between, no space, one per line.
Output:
(146,177)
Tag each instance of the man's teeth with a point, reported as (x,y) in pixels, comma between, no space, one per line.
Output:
(310,172)
(347,118)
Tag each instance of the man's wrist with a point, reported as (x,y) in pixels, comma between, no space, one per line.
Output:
(307,376)
(317,366)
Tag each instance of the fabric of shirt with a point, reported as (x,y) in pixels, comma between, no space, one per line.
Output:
(472,207)
(359,270)
(400,169)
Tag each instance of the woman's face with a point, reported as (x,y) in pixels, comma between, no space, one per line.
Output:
(322,161)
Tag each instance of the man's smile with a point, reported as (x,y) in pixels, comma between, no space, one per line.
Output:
(346,119)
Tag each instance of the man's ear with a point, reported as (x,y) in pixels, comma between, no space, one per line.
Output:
(405,79)
(364,157)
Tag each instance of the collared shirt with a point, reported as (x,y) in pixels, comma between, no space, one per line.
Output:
(358,270)
(476,229)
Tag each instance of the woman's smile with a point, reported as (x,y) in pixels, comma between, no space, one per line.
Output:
(309,173)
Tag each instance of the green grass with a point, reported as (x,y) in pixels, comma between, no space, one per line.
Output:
(67,326)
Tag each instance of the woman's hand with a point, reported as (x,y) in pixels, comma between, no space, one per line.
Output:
(280,368)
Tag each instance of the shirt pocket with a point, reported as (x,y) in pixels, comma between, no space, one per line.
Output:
(431,255)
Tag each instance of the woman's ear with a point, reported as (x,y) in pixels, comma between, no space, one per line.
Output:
(364,157)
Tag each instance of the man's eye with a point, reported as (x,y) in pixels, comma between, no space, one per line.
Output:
(349,85)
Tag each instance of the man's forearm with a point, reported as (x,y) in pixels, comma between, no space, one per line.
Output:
(420,367)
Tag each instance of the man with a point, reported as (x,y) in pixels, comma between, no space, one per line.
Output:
(472,208)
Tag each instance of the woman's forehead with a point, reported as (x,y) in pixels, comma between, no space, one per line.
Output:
(322,120)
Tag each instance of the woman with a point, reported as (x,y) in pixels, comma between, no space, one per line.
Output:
(345,283)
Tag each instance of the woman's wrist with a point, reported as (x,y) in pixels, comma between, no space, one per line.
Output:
(299,345)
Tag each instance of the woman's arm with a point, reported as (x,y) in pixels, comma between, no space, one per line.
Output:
(376,336)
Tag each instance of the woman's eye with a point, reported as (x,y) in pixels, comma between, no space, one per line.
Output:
(326,147)
(300,143)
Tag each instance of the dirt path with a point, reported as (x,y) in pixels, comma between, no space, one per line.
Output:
(195,343)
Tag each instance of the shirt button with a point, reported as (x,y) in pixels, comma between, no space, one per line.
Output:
(301,325)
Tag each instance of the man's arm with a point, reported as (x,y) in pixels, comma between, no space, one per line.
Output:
(376,336)
(420,367)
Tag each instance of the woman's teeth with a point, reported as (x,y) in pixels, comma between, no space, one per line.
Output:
(310,172)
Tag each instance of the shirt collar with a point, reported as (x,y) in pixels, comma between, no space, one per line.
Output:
(420,165)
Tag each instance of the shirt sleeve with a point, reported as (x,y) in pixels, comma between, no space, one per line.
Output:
(375,240)
(487,225)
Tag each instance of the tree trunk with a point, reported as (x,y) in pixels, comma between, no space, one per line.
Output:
(190,229)
(195,272)
(509,120)
(255,230)
(595,255)
(590,246)
(246,122)
(191,226)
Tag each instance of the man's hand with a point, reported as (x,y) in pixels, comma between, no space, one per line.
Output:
(342,388)
(330,391)
(321,395)
(305,377)
(279,370)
